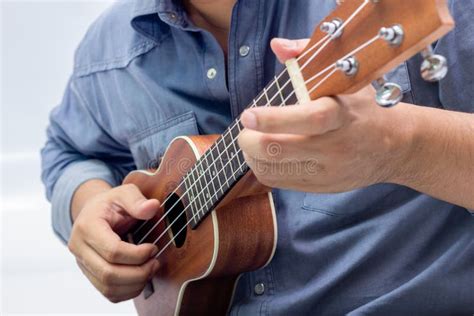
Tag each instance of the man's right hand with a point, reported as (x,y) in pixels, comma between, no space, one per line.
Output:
(119,270)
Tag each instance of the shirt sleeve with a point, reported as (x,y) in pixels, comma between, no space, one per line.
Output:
(78,149)
(457,89)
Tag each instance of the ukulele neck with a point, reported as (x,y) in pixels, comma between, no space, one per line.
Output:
(223,164)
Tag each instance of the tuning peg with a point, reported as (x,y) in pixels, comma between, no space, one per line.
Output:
(349,66)
(393,35)
(332,28)
(434,67)
(388,93)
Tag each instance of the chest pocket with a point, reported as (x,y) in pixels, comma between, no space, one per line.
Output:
(149,145)
(370,198)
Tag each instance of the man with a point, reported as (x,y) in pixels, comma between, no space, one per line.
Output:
(396,238)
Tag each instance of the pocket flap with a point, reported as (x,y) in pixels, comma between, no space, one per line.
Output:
(149,145)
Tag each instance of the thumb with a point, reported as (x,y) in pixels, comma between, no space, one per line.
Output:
(147,209)
(131,200)
(286,49)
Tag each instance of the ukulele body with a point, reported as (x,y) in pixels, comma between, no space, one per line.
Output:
(200,269)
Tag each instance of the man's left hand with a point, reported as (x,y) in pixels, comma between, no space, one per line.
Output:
(332,144)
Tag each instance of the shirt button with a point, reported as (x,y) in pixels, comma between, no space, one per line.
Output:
(259,289)
(211,73)
(244,50)
(173,17)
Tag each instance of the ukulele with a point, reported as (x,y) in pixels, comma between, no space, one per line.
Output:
(217,221)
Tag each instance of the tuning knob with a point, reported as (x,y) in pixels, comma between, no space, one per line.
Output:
(332,28)
(434,67)
(388,93)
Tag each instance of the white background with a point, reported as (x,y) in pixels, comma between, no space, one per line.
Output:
(38,39)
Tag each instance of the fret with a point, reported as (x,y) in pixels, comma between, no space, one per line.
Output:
(210,171)
(202,185)
(217,166)
(195,198)
(222,172)
(240,155)
(228,153)
(272,94)
(267,99)
(286,88)
(234,143)
(224,163)
(280,98)
(206,176)
(261,100)
(191,195)
(204,193)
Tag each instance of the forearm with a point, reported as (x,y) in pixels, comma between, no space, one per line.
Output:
(85,192)
(440,156)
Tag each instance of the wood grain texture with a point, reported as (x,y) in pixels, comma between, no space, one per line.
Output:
(239,236)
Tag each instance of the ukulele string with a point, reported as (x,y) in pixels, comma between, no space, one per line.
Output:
(324,41)
(333,66)
(313,89)
(339,31)
(194,184)
(167,245)
(192,218)
(230,160)
(213,163)
(325,38)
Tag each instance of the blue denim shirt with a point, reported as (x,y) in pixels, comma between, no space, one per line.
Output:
(144,75)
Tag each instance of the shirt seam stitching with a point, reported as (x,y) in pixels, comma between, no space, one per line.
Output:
(187,117)
(107,62)
(119,62)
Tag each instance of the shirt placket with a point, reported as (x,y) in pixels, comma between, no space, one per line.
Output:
(214,72)
(245,77)
(245,65)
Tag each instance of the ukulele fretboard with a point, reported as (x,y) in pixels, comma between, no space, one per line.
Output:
(223,165)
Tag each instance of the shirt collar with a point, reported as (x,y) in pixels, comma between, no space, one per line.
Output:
(163,8)
(148,14)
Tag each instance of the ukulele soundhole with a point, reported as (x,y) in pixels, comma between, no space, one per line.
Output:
(177,219)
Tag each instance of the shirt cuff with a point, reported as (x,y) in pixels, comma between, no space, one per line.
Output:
(72,177)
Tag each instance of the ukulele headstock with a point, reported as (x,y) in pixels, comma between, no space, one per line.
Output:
(364,39)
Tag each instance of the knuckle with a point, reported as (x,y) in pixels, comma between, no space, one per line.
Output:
(106,275)
(130,188)
(78,228)
(266,147)
(317,116)
(112,253)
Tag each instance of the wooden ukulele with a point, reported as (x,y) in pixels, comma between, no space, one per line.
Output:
(217,221)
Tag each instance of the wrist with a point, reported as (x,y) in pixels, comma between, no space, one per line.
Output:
(405,150)
(85,192)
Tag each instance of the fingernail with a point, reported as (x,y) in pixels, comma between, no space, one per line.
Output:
(154,252)
(249,120)
(154,270)
(156,265)
(288,44)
